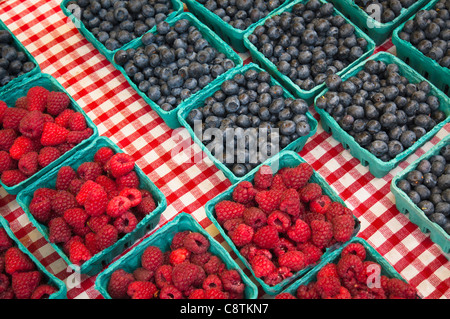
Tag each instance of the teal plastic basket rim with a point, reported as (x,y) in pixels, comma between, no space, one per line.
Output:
(62,289)
(254,52)
(97,258)
(369,157)
(75,106)
(411,206)
(407,45)
(230,53)
(195,226)
(371,254)
(327,189)
(16,81)
(109,54)
(182,114)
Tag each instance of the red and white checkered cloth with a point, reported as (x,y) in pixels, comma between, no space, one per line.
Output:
(125,118)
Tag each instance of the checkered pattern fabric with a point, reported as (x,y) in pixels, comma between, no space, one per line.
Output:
(126,119)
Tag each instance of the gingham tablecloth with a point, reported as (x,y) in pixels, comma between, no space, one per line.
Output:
(126,119)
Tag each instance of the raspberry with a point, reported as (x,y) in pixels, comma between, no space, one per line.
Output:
(53,134)
(178,256)
(22,145)
(309,217)
(200,259)
(263,177)
(228,210)
(12,117)
(163,276)
(129,180)
(90,243)
(311,252)
(369,268)
(126,223)
(196,243)
(3,108)
(75,186)
(63,201)
(43,292)
(76,217)
(215,293)
(59,230)
(32,124)
(321,233)
(152,258)
(103,155)
(121,164)
(133,195)
(79,253)
(268,201)
(57,102)
(89,171)
(186,275)
(85,190)
(97,222)
(118,206)
(45,192)
(328,287)
(244,192)
(212,281)
(343,227)
(5,241)
(285,295)
(400,289)
(64,147)
(297,177)
(141,290)
(146,206)
(309,192)
(277,183)
(13,177)
(254,217)
(280,220)
(107,183)
(336,209)
(25,283)
(262,266)
(69,243)
(64,177)
(7,295)
(284,245)
(77,122)
(142,274)
(106,237)
(299,232)
(349,266)
(7,138)
(278,276)
(231,224)
(355,249)
(343,294)
(242,235)
(232,281)
(214,265)
(37,98)
(28,163)
(266,237)
(329,270)
(47,155)
(96,202)
(307,291)
(170,292)
(197,294)
(294,260)
(76,137)
(63,118)
(320,204)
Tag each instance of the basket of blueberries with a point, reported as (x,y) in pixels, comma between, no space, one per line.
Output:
(422,190)
(382,111)
(111,24)
(304,42)
(422,42)
(254,118)
(171,64)
(16,63)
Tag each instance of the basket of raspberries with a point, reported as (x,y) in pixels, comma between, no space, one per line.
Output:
(40,126)
(355,271)
(21,275)
(93,205)
(282,221)
(179,261)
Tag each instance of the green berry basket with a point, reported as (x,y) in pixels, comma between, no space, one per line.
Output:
(415,214)
(162,239)
(308,96)
(74,14)
(296,145)
(377,31)
(377,167)
(233,36)
(13,83)
(170,117)
(427,67)
(52,280)
(371,255)
(94,265)
(50,83)
(281,160)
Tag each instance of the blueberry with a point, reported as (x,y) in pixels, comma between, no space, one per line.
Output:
(427,207)
(414,196)
(443,208)
(438,218)
(404,185)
